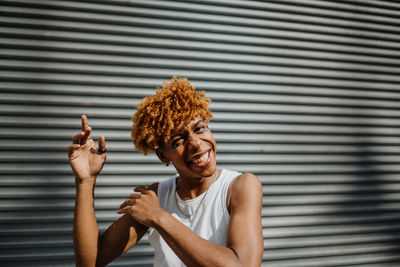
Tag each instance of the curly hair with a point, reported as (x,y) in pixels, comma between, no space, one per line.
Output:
(158,115)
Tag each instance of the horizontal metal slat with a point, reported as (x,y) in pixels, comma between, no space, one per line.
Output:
(337,35)
(367,10)
(271,232)
(342,200)
(377,208)
(166,74)
(370,256)
(318,8)
(322,251)
(238,69)
(258,62)
(329,179)
(329,240)
(254,9)
(204,13)
(373,6)
(197,40)
(169,52)
(333,221)
(312,102)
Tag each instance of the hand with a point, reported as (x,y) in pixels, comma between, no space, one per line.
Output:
(144,207)
(86,161)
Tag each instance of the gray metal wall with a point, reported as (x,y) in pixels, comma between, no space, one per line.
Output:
(305,95)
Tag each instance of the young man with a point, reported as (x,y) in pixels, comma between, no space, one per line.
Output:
(204,216)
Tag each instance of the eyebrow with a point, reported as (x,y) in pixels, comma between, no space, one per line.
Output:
(180,133)
(197,123)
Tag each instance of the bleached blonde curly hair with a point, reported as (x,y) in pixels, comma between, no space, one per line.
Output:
(158,115)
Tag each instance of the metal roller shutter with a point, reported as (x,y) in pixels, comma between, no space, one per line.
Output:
(305,95)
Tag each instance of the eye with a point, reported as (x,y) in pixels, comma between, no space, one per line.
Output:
(177,142)
(200,129)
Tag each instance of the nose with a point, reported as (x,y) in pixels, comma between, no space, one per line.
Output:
(194,142)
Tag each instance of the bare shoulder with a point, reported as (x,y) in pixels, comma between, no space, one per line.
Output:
(246,188)
(246,180)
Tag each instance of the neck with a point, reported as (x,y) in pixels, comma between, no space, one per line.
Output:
(189,188)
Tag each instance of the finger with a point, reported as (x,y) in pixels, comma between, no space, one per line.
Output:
(86,129)
(102,145)
(124,210)
(74,146)
(77,138)
(85,122)
(135,196)
(128,202)
(86,135)
(140,189)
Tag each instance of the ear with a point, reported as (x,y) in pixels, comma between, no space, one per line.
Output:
(160,154)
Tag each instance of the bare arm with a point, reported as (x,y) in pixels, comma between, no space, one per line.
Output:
(245,235)
(92,250)
(86,231)
(121,236)
(245,241)
(87,162)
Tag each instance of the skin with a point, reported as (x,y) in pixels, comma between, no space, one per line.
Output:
(142,209)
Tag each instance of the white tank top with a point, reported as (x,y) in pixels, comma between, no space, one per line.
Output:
(210,220)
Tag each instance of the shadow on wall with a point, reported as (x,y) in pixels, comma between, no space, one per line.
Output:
(371,207)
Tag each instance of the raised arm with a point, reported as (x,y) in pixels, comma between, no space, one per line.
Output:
(86,163)
(90,250)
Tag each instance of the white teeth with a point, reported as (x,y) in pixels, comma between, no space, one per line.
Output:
(201,159)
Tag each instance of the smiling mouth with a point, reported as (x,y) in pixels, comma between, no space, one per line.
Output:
(202,160)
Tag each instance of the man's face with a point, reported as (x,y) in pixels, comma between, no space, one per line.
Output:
(192,149)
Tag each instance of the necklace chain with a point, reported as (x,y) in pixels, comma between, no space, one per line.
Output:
(190,216)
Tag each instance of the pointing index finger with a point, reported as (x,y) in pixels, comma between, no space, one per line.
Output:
(85,124)
(86,129)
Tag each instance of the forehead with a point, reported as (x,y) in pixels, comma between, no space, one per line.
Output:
(185,126)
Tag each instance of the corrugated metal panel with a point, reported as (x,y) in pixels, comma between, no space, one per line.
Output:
(305,95)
